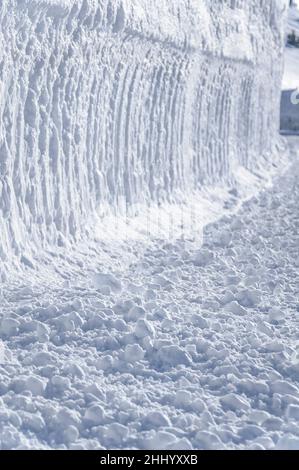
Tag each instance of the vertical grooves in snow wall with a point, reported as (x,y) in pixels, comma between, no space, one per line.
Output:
(110,103)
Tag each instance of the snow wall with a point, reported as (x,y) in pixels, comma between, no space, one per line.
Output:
(105,104)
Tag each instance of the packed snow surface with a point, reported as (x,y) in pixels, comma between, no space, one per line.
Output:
(120,117)
(184,347)
(110,107)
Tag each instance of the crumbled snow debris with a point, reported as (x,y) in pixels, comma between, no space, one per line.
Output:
(94,415)
(158,440)
(198,405)
(274,346)
(283,387)
(235,308)
(251,387)
(58,385)
(67,417)
(101,280)
(258,416)
(222,239)
(199,321)
(42,358)
(293,412)
(74,370)
(203,258)
(180,444)
(249,298)
(143,328)
(70,434)
(207,440)
(9,327)
(105,363)
(33,422)
(135,313)
(115,434)
(173,355)
(156,419)
(287,442)
(234,402)
(133,353)
(33,384)
(276,314)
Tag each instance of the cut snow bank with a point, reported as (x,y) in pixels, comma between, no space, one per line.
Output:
(107,106)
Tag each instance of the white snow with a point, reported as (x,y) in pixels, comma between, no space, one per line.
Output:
(121,119)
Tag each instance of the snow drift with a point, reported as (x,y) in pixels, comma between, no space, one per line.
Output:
(109,104)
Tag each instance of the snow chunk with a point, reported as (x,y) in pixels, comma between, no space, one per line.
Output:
(235,308)
(202,258)
(174,355)
(135,313)
(293,412)
(94,415)
(107,280)
(276,315)
(183,398)
(9,326)
(287,442)
(199,321)
(234,402)
(115,433)
(159,440)
(282,387)
(249,297)
(33,384)
(134,353)
(144,328)
(208,441)
(156,419)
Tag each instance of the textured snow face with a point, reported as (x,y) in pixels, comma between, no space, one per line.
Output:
(105,105)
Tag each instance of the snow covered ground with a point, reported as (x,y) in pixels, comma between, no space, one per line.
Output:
(122,124)
(183,348)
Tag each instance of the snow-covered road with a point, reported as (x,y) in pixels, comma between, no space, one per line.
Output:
(182,349)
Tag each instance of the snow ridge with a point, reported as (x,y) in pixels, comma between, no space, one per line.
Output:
(106,105)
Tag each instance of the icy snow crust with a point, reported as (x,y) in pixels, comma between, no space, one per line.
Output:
(110,106)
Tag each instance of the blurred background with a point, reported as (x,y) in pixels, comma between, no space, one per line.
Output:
(289,110)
